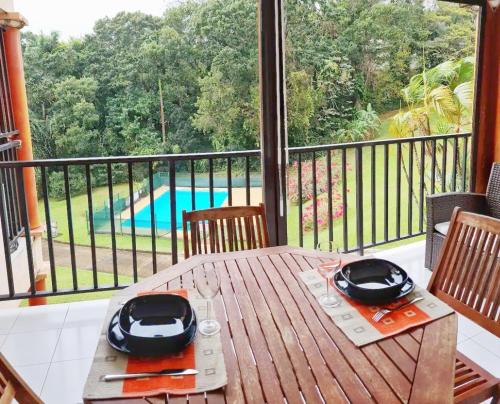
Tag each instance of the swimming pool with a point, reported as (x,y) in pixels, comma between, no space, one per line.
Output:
(183,202)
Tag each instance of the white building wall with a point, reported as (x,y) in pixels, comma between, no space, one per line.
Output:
(7,5)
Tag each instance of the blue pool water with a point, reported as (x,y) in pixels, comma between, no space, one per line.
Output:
(183,202)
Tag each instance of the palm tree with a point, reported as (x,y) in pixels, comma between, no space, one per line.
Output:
(438,101)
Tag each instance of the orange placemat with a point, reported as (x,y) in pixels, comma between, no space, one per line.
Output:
(183,360)
(204,354)
(355,319)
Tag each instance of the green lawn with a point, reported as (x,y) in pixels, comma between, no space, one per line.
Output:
(79,206)
(100,195)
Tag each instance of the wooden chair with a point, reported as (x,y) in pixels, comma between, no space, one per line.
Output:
(467,277)
(12,386)
(231,228)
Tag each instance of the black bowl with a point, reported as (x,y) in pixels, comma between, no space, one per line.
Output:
(374,279)
(342,286)
(157,324)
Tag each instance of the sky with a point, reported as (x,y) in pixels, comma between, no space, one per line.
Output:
(75,18)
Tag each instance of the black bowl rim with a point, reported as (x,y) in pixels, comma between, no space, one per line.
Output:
(388,288)
(128,351)
(371,299)
(129,335)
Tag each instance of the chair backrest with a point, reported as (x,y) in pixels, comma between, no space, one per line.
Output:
(224,229)
(467,275)
(493,191)
(12,386)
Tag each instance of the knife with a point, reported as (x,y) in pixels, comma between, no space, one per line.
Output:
(164,372)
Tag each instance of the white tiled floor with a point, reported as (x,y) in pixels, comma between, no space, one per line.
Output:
(52,346)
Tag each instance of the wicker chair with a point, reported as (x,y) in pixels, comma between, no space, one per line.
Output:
(440,208)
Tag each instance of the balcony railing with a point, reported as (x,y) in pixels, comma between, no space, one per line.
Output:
(12,226)
(359,195)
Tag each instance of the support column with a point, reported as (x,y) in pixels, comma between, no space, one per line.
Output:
(487,116)
(273,131)
(15,69)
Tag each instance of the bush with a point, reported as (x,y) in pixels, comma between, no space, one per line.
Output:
(322,220)
(77,184)
(307,180)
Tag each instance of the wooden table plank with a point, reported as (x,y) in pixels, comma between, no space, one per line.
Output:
(434,376)
(256,330)
(365,370)
(248,368)
(399,356)
(267,304)
(279,344)
(324,378)
(388,370)
(288,290)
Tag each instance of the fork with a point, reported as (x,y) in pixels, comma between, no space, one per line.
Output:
(382,312)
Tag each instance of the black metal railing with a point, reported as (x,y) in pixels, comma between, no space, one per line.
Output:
(12,226)
(366,194)
(358,195)
(104,243)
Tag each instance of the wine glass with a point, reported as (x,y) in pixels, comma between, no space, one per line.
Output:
(207,282)
(328,270)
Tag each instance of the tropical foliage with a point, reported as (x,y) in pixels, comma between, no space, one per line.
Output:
(346,62)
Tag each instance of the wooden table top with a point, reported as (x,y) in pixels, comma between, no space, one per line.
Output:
(279,343)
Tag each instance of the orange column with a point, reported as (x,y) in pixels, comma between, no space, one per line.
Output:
(487,125)
(14,56)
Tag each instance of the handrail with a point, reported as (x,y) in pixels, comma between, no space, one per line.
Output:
(215,155)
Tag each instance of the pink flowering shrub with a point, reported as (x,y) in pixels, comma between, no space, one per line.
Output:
(321,190)
(308,213)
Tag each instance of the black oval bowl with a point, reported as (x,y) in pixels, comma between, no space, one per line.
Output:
(157,324)
(342,286)
(374,279)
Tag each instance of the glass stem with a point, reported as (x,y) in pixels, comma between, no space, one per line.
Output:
(208,310)
(327,288)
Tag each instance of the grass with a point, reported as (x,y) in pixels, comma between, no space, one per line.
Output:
(373,206)
(85,279)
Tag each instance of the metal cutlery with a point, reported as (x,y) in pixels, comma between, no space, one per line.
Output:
(382,312)
(164,372)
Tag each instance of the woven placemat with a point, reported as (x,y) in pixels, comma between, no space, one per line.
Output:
(208,360)
(355,319)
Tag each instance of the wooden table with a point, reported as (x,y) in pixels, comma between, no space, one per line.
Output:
(279,343)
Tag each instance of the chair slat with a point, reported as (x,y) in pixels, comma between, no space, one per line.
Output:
(242,239)
(222,236)
(14,387)
(470,281)
(231,228)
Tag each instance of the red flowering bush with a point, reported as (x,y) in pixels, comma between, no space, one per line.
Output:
(321,190)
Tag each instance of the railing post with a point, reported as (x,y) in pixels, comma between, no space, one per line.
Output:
(359,198)
(173,210)
(6,241)
(273,118)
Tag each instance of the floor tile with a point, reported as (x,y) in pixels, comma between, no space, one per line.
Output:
(411,259)
(65,381)
(481,356)
(2,340)
(86,313)
(468,327)
(34,375)
(40,318)
(30,348)
(461,337)
(7,319)
(489,341)
(77,343)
